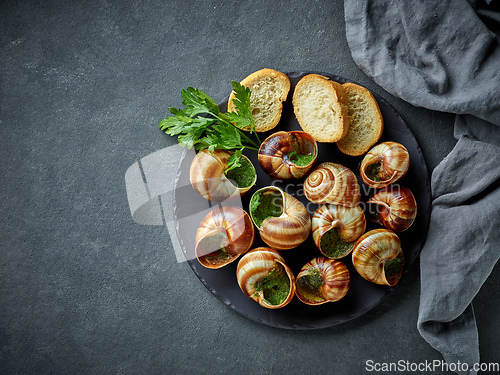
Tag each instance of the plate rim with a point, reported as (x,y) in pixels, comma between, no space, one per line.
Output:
(194,264)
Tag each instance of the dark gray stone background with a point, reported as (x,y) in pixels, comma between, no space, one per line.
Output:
(84,289)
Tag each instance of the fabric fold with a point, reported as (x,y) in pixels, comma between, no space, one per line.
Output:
(462,247)
(433,54)
(441,56)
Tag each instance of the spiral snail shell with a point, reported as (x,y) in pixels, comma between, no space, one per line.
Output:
(322,280)
(384,164)
(378,257)
(335,229)
(394,207)
(286,155)
(264,277)
(224,234)
(209,176)
(332,183)
(282,220)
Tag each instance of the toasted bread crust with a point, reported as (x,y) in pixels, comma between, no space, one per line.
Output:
(269,89)
(321,108)
(367,123)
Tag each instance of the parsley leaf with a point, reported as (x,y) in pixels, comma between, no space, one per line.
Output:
(234,160)
(242,118)
(197,102)
(201,124)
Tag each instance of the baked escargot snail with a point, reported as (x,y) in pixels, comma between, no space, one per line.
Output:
(286,155)
(211,178)
(224,234)
(384,164)
(332,183)
(264,277)
(336,228)
(282,220)
(377,256)
(394,207)
(322,280)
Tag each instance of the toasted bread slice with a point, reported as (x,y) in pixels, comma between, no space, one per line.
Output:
(367,123)
(320,106)
(269,89)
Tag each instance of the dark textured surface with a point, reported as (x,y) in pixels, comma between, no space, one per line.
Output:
(84,289)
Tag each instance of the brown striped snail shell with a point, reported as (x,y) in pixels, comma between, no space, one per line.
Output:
(384,164)
(335,229)
(332,183)
(322,280)
(264,277)
(287,155)
(282,220)
(207,175)
(394,207)
(377,256)
(224,234)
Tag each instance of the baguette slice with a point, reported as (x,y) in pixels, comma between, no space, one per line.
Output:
(269,89)
(367,123)
(320,106)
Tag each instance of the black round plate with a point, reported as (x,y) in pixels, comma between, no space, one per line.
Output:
(362,295)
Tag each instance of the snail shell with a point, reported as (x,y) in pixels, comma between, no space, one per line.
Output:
(223,235)
(378,257)
(282,220)
(207,175)
(394,207)
(322,280)
(384,164)
(259,271)
(332,183)
(335,229)
(286,155)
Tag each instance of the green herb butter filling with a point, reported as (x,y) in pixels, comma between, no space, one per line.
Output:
(266,203)
(301,159)
(333,246)
(309,286)
(244,175)
(373,172)
(212,249)
(393,267)
(275,285)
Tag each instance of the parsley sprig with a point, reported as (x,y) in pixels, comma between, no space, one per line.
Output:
(201,124)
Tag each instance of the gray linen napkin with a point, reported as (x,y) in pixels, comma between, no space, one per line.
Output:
(444,55)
